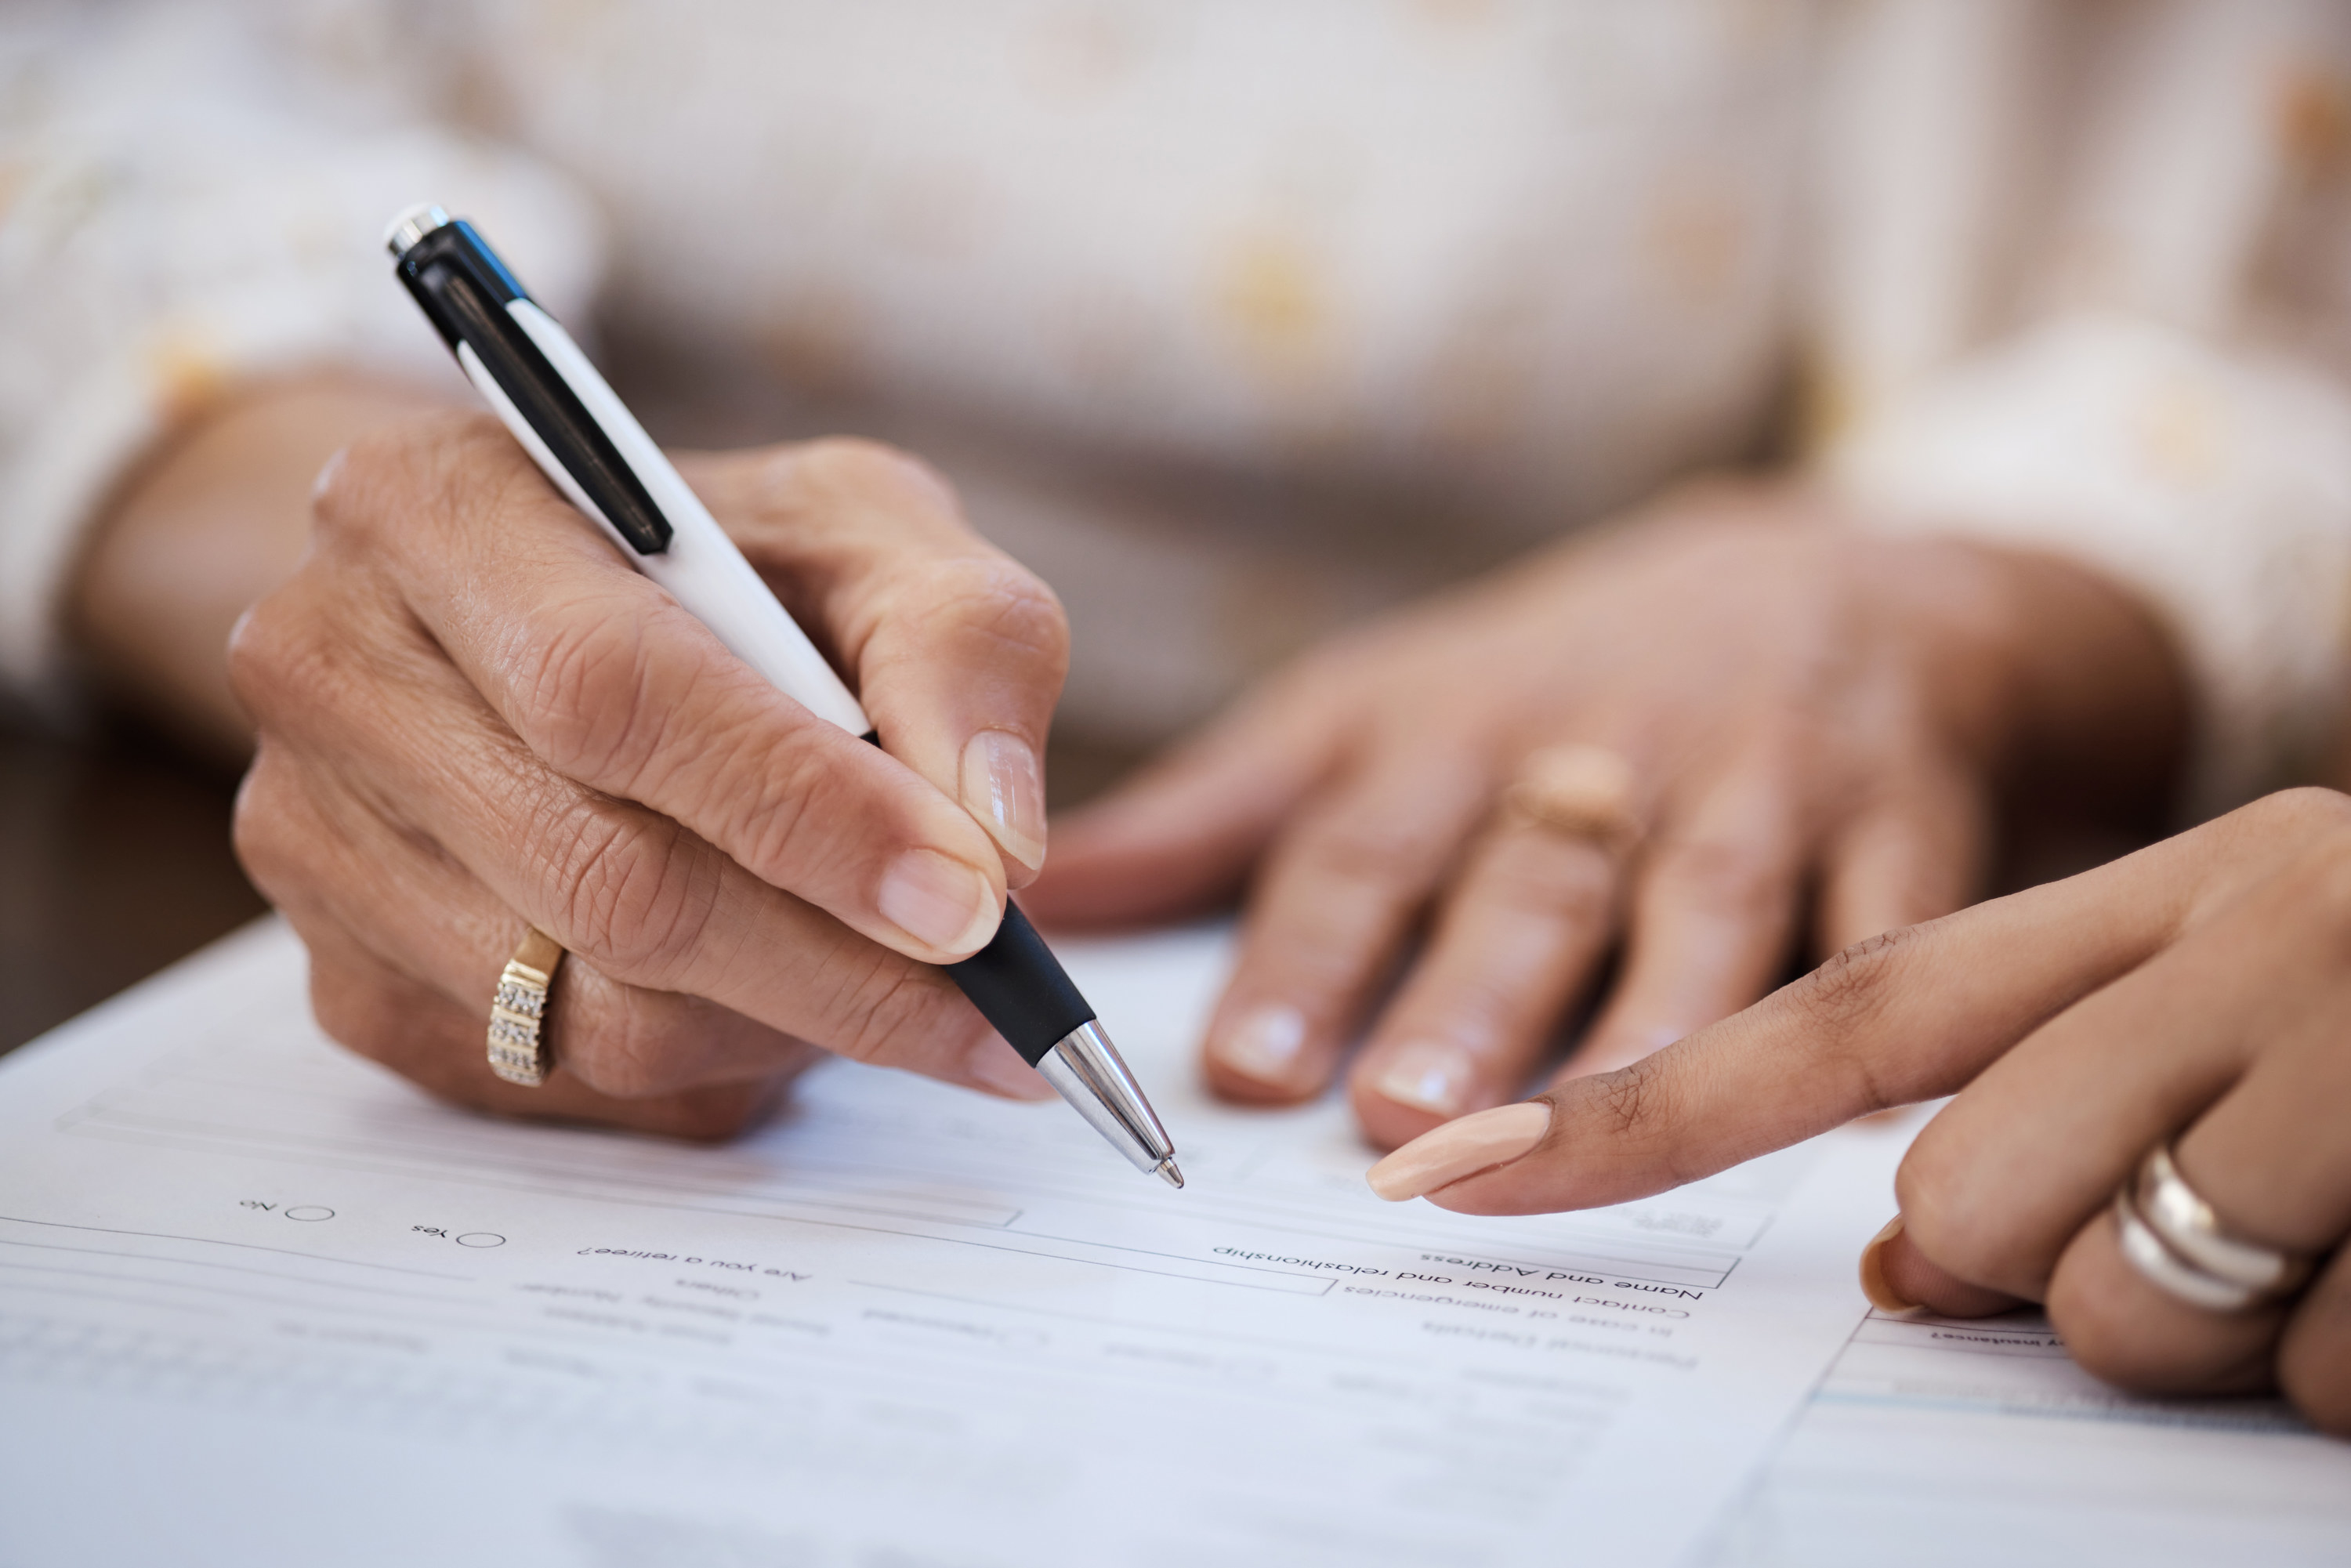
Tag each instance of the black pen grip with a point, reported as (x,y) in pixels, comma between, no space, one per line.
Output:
(1020,987)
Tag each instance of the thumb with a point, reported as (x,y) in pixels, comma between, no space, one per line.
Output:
(1911,1015)
(1897,1277)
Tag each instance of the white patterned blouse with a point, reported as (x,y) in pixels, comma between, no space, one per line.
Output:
(1235,318)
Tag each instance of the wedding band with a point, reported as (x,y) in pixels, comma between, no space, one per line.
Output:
(2178,1244)
(1583,791)
(518,1013)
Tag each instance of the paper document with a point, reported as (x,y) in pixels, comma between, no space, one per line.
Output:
(1936,1442)
(261,1302)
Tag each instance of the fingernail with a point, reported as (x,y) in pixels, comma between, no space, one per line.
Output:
(1265,1045)
(939,902)
(997,1068)
(1427,1075)
(1882,1296)
(1005,789)
(1445,1154)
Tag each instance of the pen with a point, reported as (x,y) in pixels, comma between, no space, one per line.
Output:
(594,451)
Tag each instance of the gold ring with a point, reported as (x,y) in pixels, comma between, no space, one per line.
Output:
(518,1053)
(2171,1236)
(1583,791)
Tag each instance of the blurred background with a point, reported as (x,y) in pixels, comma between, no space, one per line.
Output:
(1237,322)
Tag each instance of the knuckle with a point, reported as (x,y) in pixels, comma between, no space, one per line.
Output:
(1851,985)
(1722,874)
(1642,1114)
(1633,1102)
(2331,925)
(2308,807)
(343,497)
(2296,867)
(789,831)
(2326,865)
(849,465)
(252,654)
(268,802)
(636,892)
(407,471)
(1844,1007)
(255,650)
(584,704)
(348,495)
(895,1005)
(996,600)
(276,660)
(2306,829)
(1842,1001)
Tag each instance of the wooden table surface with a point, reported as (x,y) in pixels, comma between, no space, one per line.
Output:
(114,860)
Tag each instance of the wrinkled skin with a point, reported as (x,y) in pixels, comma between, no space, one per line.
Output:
(472,713)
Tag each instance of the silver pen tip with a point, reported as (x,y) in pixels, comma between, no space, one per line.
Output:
(1167,1167)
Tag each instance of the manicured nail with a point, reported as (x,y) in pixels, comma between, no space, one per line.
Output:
(1005,789)
(1445,1154)
(1427,1075)
(997,1068)
(1265,1045)
(939,902)
(1882,1296)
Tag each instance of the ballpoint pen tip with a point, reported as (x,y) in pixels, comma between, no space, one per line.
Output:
(1167,1168)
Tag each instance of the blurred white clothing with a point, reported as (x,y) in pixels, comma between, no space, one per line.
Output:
(1234,319)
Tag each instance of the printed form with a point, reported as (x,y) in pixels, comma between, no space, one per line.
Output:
(1937,1442)
(262,1302)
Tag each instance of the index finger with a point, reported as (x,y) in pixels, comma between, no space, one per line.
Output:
(1911,1015)
(611,683)
(958,650)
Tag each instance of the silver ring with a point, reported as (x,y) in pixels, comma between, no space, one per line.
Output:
(2179,1214)
(2171,1236)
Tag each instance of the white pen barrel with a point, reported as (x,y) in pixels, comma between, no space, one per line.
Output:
(711,578)
(701,567)
(585,440)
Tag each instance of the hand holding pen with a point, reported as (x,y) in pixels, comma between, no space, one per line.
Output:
(476,717)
